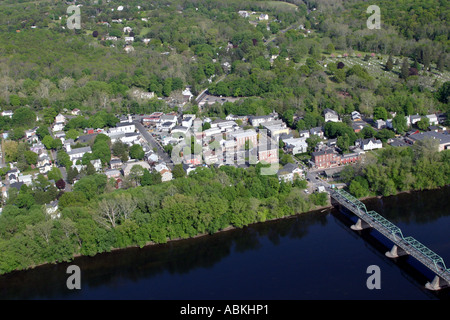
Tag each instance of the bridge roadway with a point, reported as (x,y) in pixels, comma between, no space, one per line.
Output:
(402,245)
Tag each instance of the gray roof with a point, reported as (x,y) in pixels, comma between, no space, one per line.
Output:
(443,138)
(79,150)
(288,168)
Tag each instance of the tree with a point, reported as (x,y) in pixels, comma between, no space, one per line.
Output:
(380,113)
(54,174)
(399,123)
(48,142)
(137,152)
(343,142)
(389,64)
(10,149)
(178,171)
(63,158)
(443,93)
(404,71)
(423,123)
(31,157)
(61,184)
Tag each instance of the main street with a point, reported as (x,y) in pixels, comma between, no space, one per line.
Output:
(154,144)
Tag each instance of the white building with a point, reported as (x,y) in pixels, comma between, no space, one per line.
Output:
(78,153)
(296,145)
(432,118)
(331,115)
(369,144)
(164,171)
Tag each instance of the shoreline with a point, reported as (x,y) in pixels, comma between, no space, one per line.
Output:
(229,228)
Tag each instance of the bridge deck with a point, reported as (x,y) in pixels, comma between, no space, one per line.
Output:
(410,245)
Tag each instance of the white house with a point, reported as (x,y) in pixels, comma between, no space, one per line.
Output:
(356,116)
(380,124)
(125,127)
(78,153)
(432,119)
(60,118)
(330,115)
(97,163)
(263,16)
(289,172)
(415,118)
(7,113)
(164,171)
(296,145)
(369,144)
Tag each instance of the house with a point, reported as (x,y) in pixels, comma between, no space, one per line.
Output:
(348,158)
(274,130)
(243,14)
(443,139)
(7,113)
(112,173)
(77,154)
(116,164)
(296,145)
(129,166)
(187,121)
(58,127)
(369,144)
(356,116)
(330,115)
(267,150)
(263,16)
(130,138)
(97,163)
(318,131)
(304,134)
(289,173)
(242,137)
(152,119)
(380,124)
(415,118)
(60,118)
(76,112)
(164,171)
(358,125)
(257,120)
(325,158)
(52,209)
(125,127)
(129,39)
(433,119)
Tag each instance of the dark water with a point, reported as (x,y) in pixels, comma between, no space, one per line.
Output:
(310,256)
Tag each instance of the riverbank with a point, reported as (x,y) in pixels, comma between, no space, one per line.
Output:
(228,228)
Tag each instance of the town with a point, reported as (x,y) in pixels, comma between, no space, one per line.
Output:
(173,145)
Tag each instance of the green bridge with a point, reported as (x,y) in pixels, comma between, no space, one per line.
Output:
(402,245)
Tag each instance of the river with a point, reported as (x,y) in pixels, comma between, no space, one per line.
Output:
(309,256)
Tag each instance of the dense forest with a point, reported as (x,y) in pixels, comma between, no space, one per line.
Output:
(95,217)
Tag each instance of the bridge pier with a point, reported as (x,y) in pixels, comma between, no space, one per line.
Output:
(437,284)
(395,252)
(360,225)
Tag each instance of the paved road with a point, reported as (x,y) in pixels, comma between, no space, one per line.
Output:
(154,144)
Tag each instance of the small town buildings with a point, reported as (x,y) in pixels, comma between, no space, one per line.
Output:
(112,173)
(97,163)
(318,131)
(433,119)
(129,165)
(330,115)
(116,163)
(415,118)
(289,173)
(443,139)
(7,113)
(255,121)
(356,116)
(77,154)
(164,171)
(380,124)
(325,158)
(295,145)
(369,144)
(241,137)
